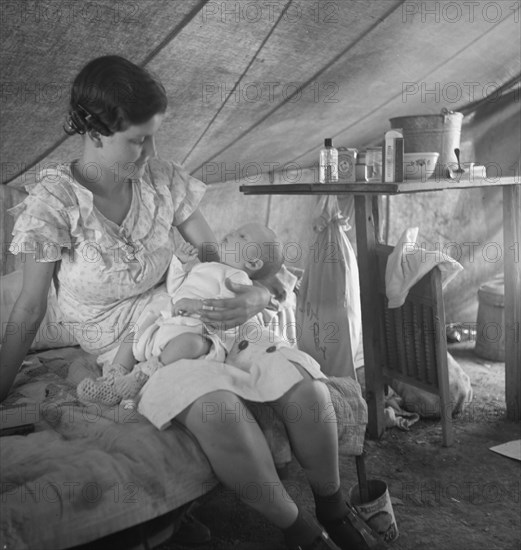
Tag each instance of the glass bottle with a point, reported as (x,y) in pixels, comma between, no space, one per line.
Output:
(361,168)
(328,167)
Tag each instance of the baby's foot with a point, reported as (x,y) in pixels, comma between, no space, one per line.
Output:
(128,386)
(100,390)
(115,369)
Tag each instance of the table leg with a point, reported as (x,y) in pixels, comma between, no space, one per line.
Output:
(512,246)
(366,228)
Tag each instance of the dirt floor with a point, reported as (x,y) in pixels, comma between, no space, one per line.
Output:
(465,497)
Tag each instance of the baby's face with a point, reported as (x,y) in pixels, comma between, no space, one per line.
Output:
(244,244)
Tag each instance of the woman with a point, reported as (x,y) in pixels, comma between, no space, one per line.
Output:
(102,228)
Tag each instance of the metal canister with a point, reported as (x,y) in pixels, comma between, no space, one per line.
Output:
(346,164)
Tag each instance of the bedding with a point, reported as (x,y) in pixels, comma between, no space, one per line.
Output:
(88,471)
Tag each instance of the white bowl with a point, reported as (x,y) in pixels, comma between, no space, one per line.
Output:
(419,166)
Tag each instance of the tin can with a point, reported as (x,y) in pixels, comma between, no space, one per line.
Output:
(346,164)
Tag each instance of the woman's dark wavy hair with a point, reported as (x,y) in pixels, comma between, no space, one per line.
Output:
(110,94)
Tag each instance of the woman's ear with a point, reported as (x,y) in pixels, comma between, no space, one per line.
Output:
(95,137)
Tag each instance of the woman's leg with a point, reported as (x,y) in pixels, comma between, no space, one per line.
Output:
(309,417)
(239,454)
(240,457)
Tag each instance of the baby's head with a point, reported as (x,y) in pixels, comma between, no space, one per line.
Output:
(253,248)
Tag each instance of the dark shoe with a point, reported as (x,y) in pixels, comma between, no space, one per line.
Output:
(352,533)
(321,543)
(191,532)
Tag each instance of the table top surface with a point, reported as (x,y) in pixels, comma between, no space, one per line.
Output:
(363,188)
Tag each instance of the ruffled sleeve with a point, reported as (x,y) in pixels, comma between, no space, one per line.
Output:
(42,223)
(186,191)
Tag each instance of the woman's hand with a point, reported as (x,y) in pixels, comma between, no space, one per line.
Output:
(232,312)
(187,306)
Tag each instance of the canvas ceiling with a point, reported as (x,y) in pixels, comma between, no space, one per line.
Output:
(253,85)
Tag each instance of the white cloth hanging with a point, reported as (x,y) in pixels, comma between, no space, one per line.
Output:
(409,262)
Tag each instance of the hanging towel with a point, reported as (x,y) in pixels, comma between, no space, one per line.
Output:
(409,262)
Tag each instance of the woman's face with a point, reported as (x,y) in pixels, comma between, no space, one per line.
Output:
(126,153)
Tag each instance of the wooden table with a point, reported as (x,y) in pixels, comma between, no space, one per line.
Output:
(366,223)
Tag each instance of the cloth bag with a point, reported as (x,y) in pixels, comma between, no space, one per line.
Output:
(328,315)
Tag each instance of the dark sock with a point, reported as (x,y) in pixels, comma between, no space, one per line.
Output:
(302,531)
(330,507)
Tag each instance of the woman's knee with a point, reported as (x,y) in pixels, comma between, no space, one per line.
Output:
(307,402)
(308,390)
(214,409)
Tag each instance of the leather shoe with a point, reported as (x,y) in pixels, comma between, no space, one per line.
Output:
(351,532)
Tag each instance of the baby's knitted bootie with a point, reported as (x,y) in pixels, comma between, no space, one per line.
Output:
(128,386)
(100,390)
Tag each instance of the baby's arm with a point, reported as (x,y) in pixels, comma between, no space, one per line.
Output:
(187,255)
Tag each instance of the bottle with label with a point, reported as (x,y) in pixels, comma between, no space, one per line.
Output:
(393,153)
(328,167)
(346,164)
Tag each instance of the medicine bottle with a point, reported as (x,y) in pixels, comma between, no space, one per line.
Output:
(328,166)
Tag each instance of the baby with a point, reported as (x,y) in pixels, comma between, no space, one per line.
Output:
(170,328)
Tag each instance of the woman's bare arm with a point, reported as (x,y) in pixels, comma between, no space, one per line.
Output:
(197,232)
(24,321)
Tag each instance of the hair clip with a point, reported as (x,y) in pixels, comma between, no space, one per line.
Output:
(94,121)
(87,114)
(73,124)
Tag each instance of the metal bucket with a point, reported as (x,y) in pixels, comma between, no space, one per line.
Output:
(490,342)
(437,133)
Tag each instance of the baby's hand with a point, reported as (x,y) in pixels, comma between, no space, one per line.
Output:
(186,252)
(187,306)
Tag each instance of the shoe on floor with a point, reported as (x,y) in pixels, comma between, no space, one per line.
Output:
(351,532)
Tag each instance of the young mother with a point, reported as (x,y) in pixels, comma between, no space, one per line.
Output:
(102,227)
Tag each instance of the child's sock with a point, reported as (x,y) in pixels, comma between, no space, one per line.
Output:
(128,386)
(303,532)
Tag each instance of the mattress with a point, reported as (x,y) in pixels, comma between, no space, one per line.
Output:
(88,471)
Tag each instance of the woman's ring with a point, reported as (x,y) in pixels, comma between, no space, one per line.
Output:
(208,308)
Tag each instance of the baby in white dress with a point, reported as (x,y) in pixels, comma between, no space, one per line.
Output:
(170,328)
